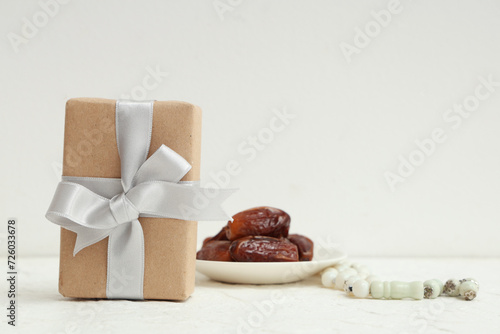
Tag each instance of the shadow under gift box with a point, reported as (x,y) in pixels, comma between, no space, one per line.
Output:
(90,150)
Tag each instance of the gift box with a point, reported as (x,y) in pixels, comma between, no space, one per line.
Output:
(169,246)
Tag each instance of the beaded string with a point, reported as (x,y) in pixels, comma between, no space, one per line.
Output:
(356,279)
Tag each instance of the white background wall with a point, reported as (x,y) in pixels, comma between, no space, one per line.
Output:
(353,119)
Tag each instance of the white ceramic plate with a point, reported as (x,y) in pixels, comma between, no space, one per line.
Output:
(269,272)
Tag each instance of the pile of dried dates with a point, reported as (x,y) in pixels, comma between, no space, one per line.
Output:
(257,235)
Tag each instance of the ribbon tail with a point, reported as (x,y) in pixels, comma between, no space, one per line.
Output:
(179,201)
(125,276)
(86,237)
(211,210)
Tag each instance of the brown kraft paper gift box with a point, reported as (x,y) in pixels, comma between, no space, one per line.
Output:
(90,150)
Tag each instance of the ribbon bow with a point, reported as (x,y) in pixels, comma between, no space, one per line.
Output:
(96,208)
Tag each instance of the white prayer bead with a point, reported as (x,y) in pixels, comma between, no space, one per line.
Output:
(349,283)
(344,275)
(328,277)
(340,280)
(432,288)
(330,269)
(361,288)
(377,289)
(469,288)
(451,287)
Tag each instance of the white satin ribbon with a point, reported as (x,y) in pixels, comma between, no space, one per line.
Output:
(96,208)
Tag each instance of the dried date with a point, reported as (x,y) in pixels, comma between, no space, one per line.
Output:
(261,221)
(304,245)
(219,236)
(263,249)
(217,250)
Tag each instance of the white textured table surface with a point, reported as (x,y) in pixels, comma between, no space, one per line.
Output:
(303,307)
